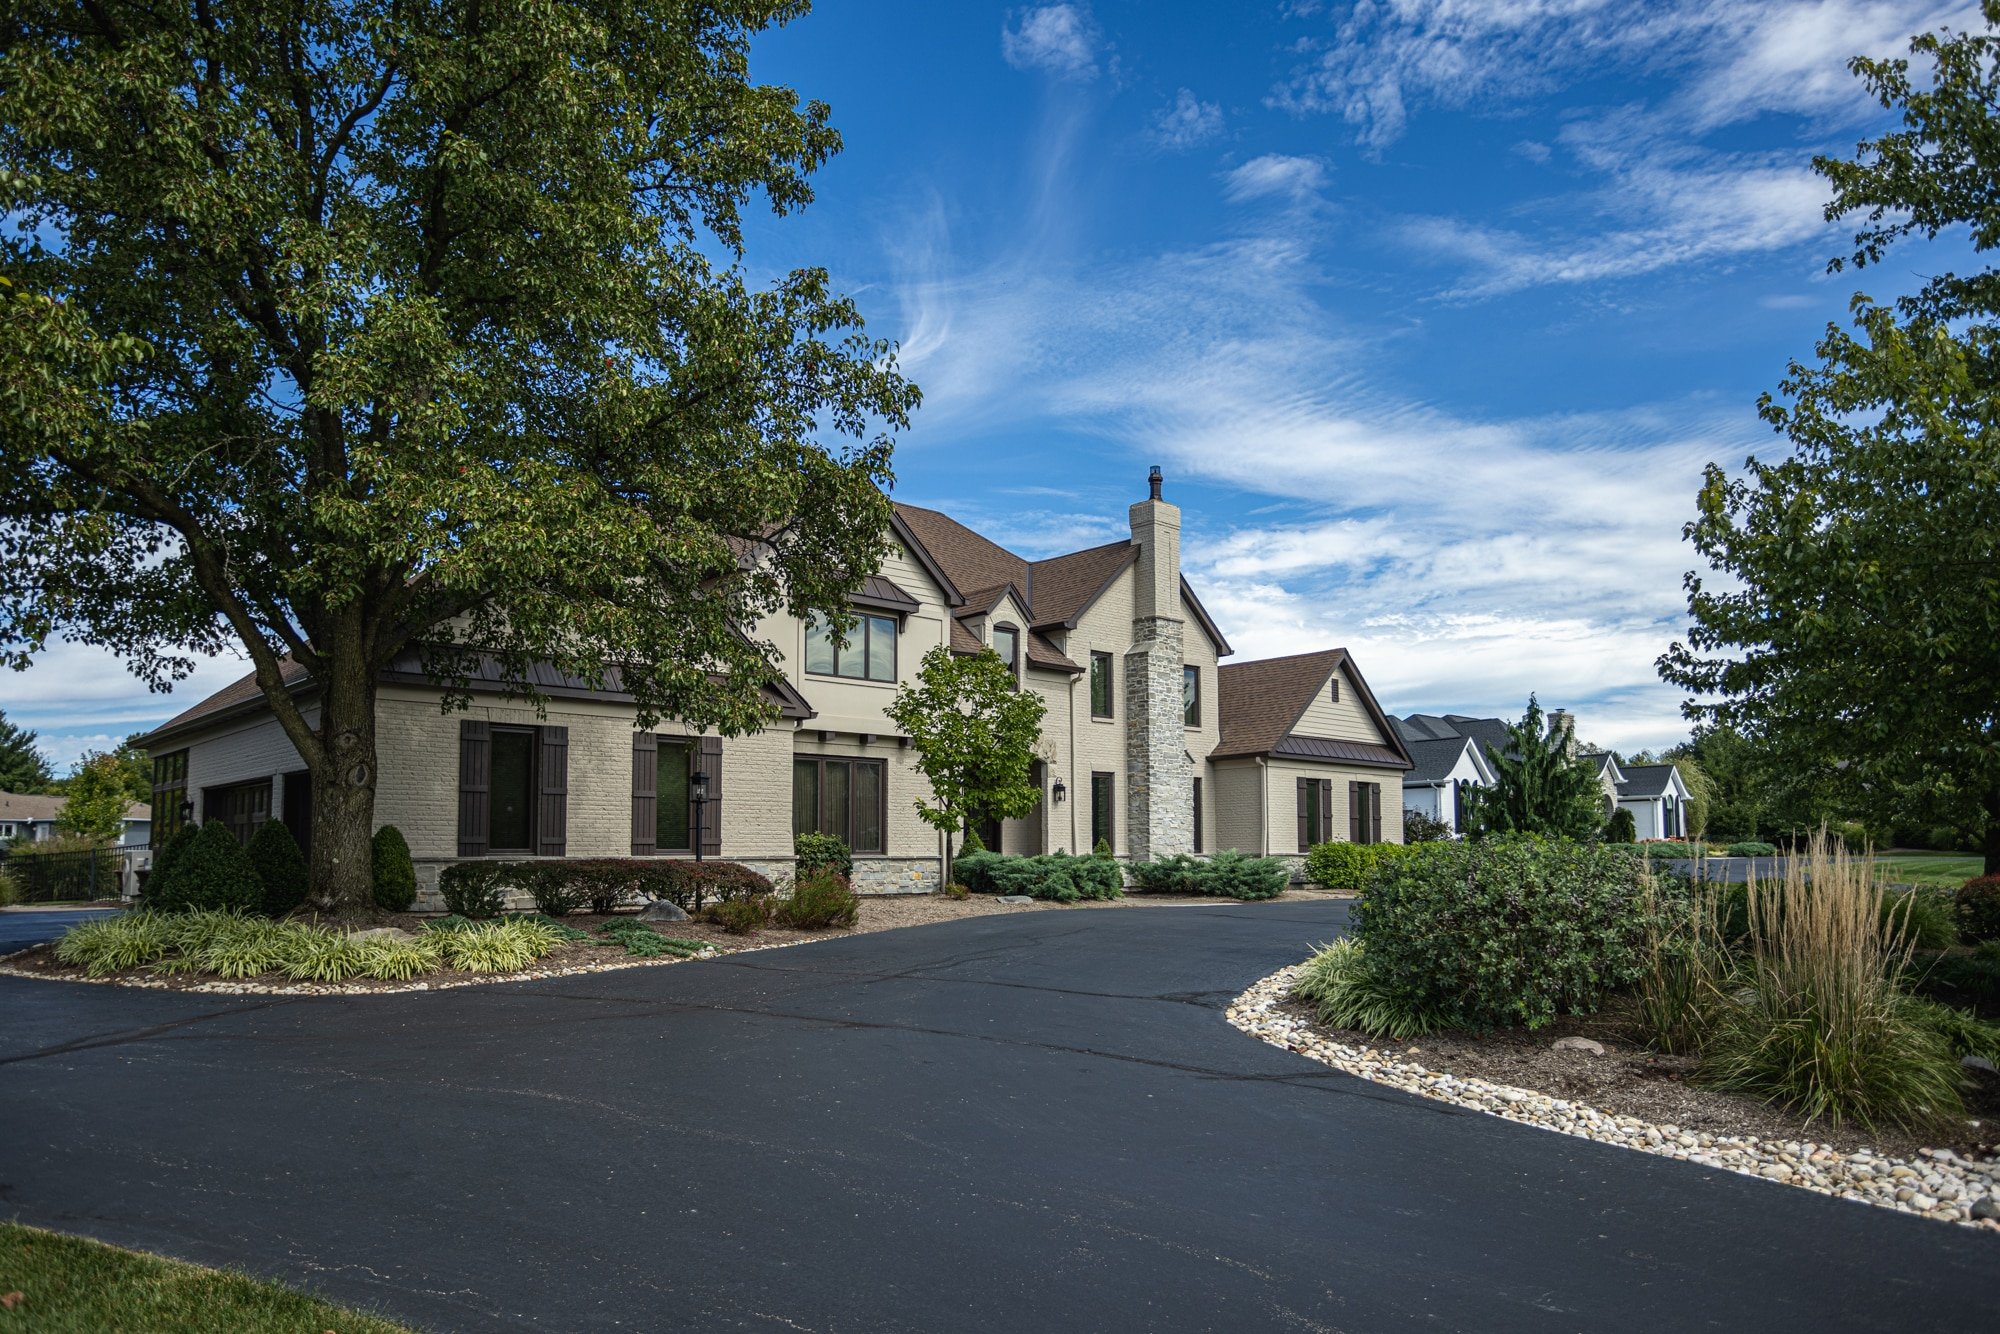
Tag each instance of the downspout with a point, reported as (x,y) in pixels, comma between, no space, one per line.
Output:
(1073,789)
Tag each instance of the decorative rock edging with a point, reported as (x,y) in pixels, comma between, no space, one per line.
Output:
(449,981)
(1943,1186)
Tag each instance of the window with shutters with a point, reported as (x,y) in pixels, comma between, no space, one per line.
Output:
(170,781)
(1364,812)
(1103,828)
(510,798)
(673,823)
(845,798)
(1315,798)
(1100,685)
(868,655)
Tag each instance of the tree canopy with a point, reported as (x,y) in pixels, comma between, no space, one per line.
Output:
(974,730)
(23,767)
(95,799)
(1855,635)
(349,330)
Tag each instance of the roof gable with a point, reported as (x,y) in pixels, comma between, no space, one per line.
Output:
(1261,704)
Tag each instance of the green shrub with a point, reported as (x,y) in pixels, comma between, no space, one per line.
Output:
(1977,907)
(1342,865)
(974,871)
(820,900)
(1347,993)
(639,939)
(1506,930)
(1101,849)
(395,874)
(238,947)
(212,872)
(160,891)
(564,932)
(320,955)
(957,892)
(823,852)
(10,890)
(1965,1033)
(1622,827)
(741,915)
(400,960)
(690,884)
(972,842)
(1918,918)
(1970,980)
(1054,876)
(1751,849)
(476,888)
(1167,875)
(555,890)
(1421,828)
(1232,875)
(1814,1016)
(114,943)
(280,867)
(495,947)
(1685,963)
(606,883)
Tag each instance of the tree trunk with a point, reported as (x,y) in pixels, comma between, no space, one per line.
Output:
(344,786)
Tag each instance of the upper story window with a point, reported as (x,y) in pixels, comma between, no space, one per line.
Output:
(1007,643)
(1100,685)
(1191,696)
(868,655)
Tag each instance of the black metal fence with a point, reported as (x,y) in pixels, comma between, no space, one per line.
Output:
(56,877)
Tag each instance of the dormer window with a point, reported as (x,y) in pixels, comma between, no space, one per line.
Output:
(1007,643)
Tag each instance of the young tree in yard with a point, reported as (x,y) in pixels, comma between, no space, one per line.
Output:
(23,767)
(342,331)
(974,730)
(1856,639)
(1540,785)
(94,799)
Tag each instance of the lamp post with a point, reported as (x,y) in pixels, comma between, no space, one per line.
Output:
(698,791)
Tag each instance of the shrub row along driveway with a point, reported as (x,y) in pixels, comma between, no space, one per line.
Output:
(1029,1122)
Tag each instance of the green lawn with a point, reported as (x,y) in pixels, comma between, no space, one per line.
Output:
(1950,869)
(55,1284)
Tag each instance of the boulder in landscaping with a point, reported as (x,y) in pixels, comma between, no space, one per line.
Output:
(1579,1044)
(662,910)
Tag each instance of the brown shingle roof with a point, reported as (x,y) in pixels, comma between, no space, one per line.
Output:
(970,560)
(241,692)
(1259,703)
(1041,653)
(1064,586)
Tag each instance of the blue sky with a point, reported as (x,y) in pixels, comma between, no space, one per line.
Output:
(1432,310)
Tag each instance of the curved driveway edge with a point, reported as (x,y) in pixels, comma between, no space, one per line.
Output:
(1025,1122)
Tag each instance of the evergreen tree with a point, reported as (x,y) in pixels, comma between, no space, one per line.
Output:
(23,767)
(394,872)
(214,872)
(1541,785)
(280,866)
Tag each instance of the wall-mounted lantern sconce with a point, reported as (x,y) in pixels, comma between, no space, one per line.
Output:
(1059,792)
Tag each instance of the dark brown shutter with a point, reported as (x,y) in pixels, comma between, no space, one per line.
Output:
(645,794)
(552,810)
(708,760)
(475,783)
(1325,786)
(1374,812)
(1305,832)
(1356,814)
(1197,815)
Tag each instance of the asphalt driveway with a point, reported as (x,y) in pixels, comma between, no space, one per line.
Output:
(1024,1123)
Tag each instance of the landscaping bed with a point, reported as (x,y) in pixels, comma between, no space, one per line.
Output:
(1638,1100)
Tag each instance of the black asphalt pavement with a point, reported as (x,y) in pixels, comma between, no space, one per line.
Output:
(1036,1122)
(20,928)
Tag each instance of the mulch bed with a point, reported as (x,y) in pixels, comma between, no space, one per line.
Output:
(1629,1080)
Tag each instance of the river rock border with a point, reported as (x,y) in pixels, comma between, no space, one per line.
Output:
(447,982)
(1940,1186)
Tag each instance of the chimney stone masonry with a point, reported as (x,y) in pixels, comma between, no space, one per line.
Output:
(1159,777)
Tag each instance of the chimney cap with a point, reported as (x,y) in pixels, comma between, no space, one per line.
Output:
(1153,479)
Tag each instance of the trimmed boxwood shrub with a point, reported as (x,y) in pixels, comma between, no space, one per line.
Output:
(1977,908)
(395,874)
(159,892)
(1508,930)
(1349,865)
(1751,849)
(1055,876)
(476,888)
(1226,874)
(212,872)
(823,852)
(280,867)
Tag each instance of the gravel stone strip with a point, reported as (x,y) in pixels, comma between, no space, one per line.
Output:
(1939,1184)
(450,981)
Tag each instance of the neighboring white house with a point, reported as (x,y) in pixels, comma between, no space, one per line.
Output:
(1449,752)
(33,817)
(1444,768)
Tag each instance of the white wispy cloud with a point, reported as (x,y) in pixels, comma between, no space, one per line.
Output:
(1057,39)
(1186,122)
(80,698)
(1274,174)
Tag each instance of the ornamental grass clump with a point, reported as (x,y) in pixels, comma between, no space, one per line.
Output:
(495,947)
(316,954)
(1815,1015)
(114,944)
(1345,992)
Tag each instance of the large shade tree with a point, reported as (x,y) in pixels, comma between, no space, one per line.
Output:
(1856,635)
(342,329)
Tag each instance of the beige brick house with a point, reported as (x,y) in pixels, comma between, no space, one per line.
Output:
(1149,743)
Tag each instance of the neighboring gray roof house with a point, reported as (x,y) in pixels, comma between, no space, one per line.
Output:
(33,816)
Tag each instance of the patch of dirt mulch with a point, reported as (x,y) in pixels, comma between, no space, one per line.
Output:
(1630,1080)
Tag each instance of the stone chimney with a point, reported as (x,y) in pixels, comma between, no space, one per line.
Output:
(1159,779)
(1563,724)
